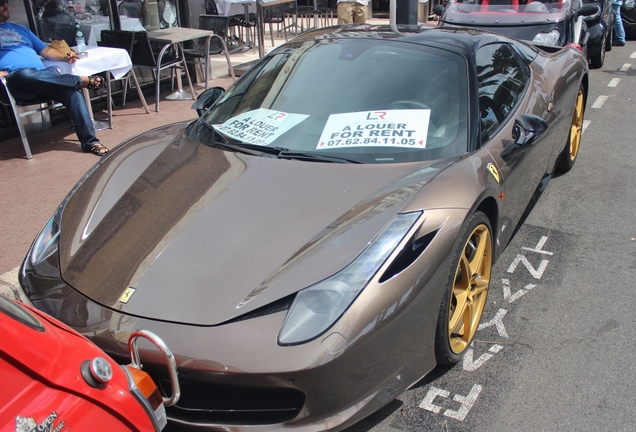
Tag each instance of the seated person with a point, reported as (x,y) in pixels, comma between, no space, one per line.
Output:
(28,79)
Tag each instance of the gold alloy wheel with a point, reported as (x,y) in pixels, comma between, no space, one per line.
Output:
(576,129)
(470,288)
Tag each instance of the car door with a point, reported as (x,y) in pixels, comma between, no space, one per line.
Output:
(506,92)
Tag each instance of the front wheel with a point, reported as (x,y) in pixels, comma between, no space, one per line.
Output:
(596,61)
(466,291)
(571,150)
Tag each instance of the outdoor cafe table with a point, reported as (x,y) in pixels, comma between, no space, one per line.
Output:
(99,59)
(228,7)
(260,4)
(176,36)
(235,7)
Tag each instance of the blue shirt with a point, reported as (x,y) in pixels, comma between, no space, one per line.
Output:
(19,48)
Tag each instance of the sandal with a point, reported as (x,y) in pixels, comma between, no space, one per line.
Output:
(95,82)
(98,149)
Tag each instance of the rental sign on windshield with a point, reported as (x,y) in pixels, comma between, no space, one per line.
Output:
(261,126)
(398,128)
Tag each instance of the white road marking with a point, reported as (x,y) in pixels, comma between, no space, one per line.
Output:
(471,365)
(427,402)
(614,82)
(539,247)
(507,292)
(497,321)
(467,403)
(586,123)
(537,273)
(599,102)
(625,67)
(633,55)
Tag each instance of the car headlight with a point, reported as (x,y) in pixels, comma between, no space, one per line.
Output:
(46,243)
(549,38)
(317,307)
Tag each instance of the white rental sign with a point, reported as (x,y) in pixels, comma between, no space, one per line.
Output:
(261,126)
(396,128)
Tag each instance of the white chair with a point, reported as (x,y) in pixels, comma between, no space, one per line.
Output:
(22,109)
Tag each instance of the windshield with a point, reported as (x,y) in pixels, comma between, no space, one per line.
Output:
(502,12)
(366,100)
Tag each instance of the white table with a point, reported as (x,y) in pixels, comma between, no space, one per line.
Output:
(235,7)
(93,29)
(256,5)
(100,59)
(238,7)
(175,36)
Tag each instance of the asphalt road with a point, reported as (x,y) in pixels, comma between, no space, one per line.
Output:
(554,348)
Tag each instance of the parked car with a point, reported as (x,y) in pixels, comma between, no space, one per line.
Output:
(556,23)
(601,29)
(323,235)
(55,379)
(628,16)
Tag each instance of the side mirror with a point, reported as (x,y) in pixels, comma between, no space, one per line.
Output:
(525,132)
(207,99)
(588,10)
(438,9)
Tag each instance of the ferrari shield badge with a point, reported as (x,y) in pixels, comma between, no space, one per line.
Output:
(127,295)
(28,424)
(493,170)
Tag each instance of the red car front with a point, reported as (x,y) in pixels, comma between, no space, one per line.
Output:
(54,379)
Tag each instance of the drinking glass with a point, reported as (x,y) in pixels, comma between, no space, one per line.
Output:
(62,5)
(94,5)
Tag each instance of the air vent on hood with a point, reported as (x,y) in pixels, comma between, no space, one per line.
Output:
(275,307)
(412,250)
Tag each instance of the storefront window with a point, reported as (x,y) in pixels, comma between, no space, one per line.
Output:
(152,14)
(56,19)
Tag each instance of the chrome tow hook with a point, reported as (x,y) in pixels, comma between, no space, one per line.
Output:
(170,361)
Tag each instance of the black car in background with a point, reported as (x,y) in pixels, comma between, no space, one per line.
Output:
(628,14)
(600,27)
(548,23)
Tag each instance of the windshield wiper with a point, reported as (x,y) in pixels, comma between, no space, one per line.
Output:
(312,156)
(281,152)
(265,149)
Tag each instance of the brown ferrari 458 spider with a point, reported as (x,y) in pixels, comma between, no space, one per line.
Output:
(322,236)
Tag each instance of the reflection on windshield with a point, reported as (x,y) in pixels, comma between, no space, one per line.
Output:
(369,100)
(509,10)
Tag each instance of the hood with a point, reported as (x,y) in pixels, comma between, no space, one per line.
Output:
(170,229)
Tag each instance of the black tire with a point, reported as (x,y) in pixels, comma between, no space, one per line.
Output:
(571,150)
(596,61)
(466,290)
(609,38)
